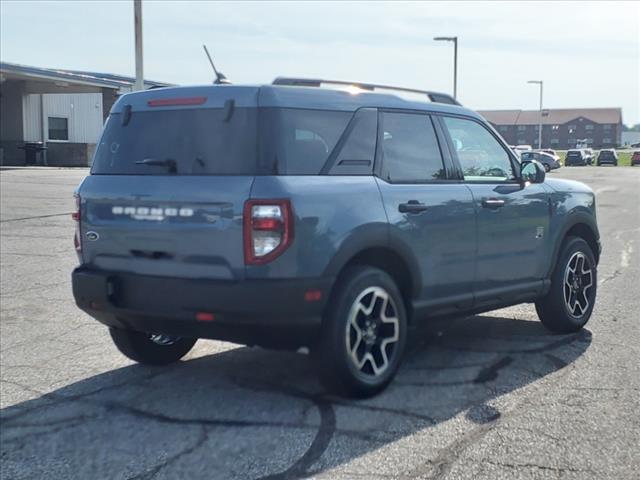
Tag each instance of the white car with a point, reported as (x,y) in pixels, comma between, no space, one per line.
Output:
(524,148)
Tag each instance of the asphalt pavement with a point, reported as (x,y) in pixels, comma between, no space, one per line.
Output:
(486,397)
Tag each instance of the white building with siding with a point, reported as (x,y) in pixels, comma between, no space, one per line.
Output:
(59,111)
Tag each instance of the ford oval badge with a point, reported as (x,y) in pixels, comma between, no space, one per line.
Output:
(92,236)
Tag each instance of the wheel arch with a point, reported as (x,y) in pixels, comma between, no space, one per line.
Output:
(398,264)
(583,226)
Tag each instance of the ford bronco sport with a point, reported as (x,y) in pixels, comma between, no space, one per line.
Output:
(290,215)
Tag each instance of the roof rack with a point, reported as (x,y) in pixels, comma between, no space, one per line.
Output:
(316,82)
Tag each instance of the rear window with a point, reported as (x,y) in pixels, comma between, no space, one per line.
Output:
(573,154)
(182,141)
(606,153)
(527,156)
(250,141)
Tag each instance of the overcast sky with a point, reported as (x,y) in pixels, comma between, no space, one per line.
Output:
(587,53)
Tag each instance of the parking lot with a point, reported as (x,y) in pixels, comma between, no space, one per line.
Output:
(491,396)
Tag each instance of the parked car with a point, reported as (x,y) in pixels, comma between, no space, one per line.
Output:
(523,148)
(576,157)
(548,162)
(550,151)
(588,153)
(288,216)
(608,155)
(635,158)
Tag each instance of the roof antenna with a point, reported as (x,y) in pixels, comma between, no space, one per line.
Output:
(220,78)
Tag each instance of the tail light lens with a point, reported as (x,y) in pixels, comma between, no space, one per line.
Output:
(76,216)
(268,230)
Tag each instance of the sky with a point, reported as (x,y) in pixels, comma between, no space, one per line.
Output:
(587,53)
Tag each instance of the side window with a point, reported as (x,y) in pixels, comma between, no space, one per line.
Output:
(299,141)
(358,151)
(410,149)
(481,157)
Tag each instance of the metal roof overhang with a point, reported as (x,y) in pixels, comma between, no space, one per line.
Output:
(19,72)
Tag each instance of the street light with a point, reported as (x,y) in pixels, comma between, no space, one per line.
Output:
(137,19)
(455,61)
(539,82)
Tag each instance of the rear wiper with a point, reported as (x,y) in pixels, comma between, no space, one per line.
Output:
(170,163)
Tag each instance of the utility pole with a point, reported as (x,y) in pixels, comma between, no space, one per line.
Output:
(539,82)
(455,61)
(137,17)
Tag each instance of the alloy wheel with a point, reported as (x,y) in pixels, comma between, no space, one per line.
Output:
(578,281)
(373,332)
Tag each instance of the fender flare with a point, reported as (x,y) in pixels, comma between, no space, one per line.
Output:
(575,217)
(375,236)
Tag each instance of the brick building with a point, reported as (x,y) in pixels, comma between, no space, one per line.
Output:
(561,128)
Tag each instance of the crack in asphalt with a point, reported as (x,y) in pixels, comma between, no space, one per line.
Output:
(540,467)
(152,472)
(449,455)
(490,373)
(326,430)
(35,217)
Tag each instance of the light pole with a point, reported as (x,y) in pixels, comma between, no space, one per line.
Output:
(539,82)
(455,61)
(137,19)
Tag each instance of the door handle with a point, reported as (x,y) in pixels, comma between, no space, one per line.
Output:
(412,206)
(493,203)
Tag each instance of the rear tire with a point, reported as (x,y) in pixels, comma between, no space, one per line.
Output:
(547,168)
(363,334)
(568,305)
(150,349)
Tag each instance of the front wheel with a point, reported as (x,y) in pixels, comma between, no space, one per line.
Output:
(363,334)
(150,348)
(568,305)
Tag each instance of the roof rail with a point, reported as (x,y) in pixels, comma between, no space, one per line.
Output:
(315,82)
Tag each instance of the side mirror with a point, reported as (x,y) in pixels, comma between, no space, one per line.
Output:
(532,171)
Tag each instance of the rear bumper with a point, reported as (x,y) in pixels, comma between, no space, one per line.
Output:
(265,312)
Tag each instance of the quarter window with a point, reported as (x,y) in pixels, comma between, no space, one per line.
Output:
(481,156)
(410,149)
(358,151)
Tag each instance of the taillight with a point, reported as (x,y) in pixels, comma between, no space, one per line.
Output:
(268,230)
(76,216)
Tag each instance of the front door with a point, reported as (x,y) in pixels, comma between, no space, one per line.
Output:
(512,218)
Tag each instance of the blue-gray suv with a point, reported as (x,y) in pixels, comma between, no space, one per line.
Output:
(290,215)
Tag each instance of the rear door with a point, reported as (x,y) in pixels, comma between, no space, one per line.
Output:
(430,215)
(167,189)
(512,219)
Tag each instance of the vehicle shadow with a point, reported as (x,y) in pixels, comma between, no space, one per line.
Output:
(252,413)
